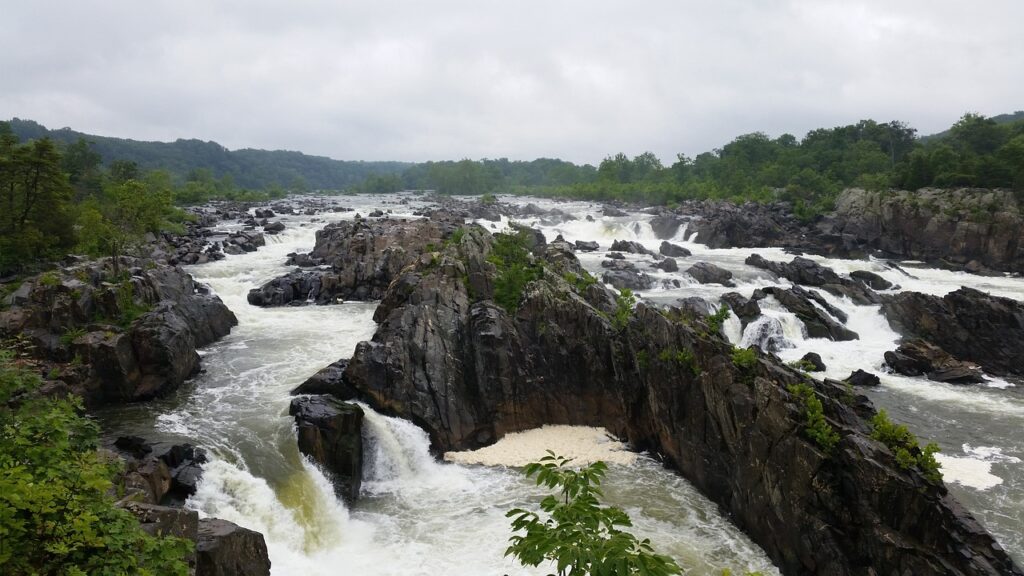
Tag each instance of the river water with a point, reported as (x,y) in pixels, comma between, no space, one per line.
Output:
(417,516)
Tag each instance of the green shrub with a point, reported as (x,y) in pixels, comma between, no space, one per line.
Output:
(624,303)
(56,516)
(815,426)
(580,282)
(515,267)
(70,335)
(716,320)
(684,358)
(129,308)
(49,279)
(642,360)
(802,365)
(745,360)
(903,444)
(488,199)
(580,535)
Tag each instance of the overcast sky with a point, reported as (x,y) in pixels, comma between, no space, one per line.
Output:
(421,80)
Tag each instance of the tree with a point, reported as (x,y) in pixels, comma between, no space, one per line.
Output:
(56,512)
(580,535)
(129,211)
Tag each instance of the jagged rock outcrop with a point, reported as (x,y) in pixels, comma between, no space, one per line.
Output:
(468,371)
(813,362)
(918,357)
(810,273)
(586,246)
(721,224)
(330,434)
(708,273)
(968,324)
(667,265)
(953,227)
(125,336)
(872,280)
(629,246)
(747,310)
(861,378)
(666,225)
(673,250)
(364,257)
(820,323)
(159,473)
(226,549)
(328,380)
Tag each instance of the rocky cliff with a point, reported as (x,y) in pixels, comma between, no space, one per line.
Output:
(450,359)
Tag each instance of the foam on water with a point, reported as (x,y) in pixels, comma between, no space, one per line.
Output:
(581,443)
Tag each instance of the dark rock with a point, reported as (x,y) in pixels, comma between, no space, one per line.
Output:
(810,273)
(329,380)
(673,250)
(668,265)
(819,324)
(264,213)
(330,434)
(613,211)
(302,259)
(666,225)
(627,278)
(274,227)
(615,255)
(468,372)
(226,549)
(813,361)
(376,214)
(968,324)
(629,246)
(707,273)
(874,281)
(618,263)
(746,310)
(165,520)
(586,246)
(917,357)
(862,378)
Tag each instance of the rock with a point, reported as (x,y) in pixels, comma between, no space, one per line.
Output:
(629,246)
(813,362)
(618,263)
(707,273)
(819,324)
(330,434)
(666,225)
(673,250)
(613,211)
(586,246)
(810,273)
(165,520)
(302,260)
(744,309)
(917,357)
(376,214)
(226,549)
(469,372)
(274,227)
(968,324)
(328,380)
(862,378)
(615,255)
(955,226)
(874,281)
(627,278)
(264,213)
(668,265)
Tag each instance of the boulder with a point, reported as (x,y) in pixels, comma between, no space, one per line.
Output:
(673,250)
(666,225)
(810,273)
(627,278)
(630,247)
(813,362)
(861,378)
(330,433)
(328,380)
(667,264)
(226,549)
(968,324)
(613,211)
(273,227)
(707,273)
(819,323)
(586,246)
(872,280)
(918,357)
(747,310)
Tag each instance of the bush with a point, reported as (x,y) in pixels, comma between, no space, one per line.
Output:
(580,535)
(684,358)
(56,516)
(716,320)
(624,303)
(745,359)
(815,426)
(580,282)
(515,267)
(903,445)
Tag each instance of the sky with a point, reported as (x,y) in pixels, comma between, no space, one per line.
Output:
(579,80)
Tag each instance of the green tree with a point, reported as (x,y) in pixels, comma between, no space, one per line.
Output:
(121,221)
(579,535)
(56,515)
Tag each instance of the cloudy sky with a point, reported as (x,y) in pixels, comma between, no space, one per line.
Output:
(420,80)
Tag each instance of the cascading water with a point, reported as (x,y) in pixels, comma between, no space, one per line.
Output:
(415,516)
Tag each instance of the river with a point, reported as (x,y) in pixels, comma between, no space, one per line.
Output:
(417,516)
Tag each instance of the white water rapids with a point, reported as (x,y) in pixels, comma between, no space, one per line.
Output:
(417,516)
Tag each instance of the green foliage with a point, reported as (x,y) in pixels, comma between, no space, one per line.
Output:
(815,426)
(56,516)
(903,444)
(624,303)
(579,535)
(50,279)
(716,320)
(642,359)
(580,282)
(70,335)
(516,268)
(126,304)
(488,199)
(684,358)
(803,365)
(745,359)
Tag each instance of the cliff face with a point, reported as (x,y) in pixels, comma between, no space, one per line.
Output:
(976,229)
(446,357)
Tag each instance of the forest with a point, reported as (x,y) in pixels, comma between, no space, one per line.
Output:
(66,191)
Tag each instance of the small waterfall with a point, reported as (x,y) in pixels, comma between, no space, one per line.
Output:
(767,333)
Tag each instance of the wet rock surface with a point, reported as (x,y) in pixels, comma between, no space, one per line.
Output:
(469,372)
(226,549)
(329,432)
(810,273)
(919,358)
(707,273)
(819,323)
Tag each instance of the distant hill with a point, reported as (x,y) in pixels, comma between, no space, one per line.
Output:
(1000,119)
(248,167)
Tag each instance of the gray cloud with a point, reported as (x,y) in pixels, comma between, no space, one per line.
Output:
(433,80)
